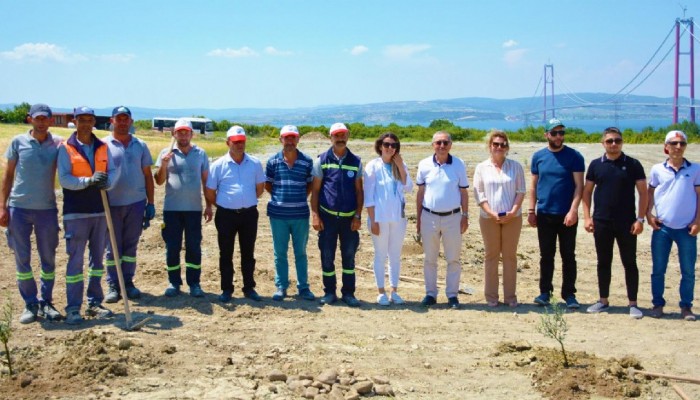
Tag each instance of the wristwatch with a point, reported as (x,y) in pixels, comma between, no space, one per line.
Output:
(465,215)
(357,216)
(640,220)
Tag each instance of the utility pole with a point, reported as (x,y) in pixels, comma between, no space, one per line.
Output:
(548,81)
(688,25)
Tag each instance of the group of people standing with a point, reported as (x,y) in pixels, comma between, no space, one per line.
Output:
(116,172)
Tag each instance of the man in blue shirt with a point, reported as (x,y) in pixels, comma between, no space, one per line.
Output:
(130,201)
(28,202)
(289,184)
(235,183)
(557,186)
(184,170)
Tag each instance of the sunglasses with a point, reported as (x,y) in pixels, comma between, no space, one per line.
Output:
(611,141)
(683,144)
(386,145)
(442,142)
(557,133)
(502,145)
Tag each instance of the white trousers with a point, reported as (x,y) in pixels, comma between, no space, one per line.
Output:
(388,244)
(433,228)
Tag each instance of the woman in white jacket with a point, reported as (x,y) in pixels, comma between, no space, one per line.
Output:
(386,179)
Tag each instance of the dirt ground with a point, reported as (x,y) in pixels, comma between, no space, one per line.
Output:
(200,348)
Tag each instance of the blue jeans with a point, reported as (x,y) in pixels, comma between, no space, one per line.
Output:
(88,232)
(299,231)
(661,242)
(44,223)
(175,223)
(334,229)
(128,224)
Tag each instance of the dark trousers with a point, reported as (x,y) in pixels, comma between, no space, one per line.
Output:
(334,229)
(605,234)
(230,223)
(550,228)
(175,223)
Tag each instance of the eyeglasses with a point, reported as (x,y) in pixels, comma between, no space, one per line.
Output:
(442,142)
(611,141)
(557,133)
(683,144)
(386,145)
(502,145)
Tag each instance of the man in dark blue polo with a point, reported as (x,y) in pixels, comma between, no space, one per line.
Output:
(615,176)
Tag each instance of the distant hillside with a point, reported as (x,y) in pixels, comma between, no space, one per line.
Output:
(570,107)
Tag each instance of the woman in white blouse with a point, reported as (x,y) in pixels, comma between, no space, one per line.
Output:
(499,188)
(385,181)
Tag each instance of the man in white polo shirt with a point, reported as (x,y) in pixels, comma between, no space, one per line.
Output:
(674,191)
(442,212)
(235,182)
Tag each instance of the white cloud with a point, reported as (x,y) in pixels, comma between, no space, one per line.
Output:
(509,43)
(513,57)
(269,50)
(404,50)
(244,51)
(359,49)
(122,58)
(41,52)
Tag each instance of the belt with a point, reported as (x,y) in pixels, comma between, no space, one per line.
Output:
(442,214)
(237,210)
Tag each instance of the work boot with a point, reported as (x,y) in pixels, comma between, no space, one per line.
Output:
(196,291)
(132,292)
(29,314)
(98,311)
(49,312)
(73,318)
(172,290)
(113,294)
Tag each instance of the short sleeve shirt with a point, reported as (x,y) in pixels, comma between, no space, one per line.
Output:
(443,183)
(183,187)
(131,160)
(289,185)
(35,171)
(235,184)
(675,199)
(615,184)
(555,179)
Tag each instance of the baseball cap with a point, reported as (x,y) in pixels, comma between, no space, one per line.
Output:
(289,130)
(678,135)
(553,123)
(182,124)
(236,133)
(83,111)
(337,128)
(40,110)
(121,110)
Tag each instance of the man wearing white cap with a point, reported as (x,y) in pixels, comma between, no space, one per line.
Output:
(674,192)
(336,205)
(28,203)
(84,169)
(184,169)
(236,181)
(289,180)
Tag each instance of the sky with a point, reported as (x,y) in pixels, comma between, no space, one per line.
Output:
(306,53)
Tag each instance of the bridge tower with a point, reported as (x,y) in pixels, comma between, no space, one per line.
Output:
(548,82)
(688,24)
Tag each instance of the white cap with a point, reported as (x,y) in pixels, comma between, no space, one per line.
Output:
(182,124)
(289,130)
(236,133)
(678,135)
(337,128)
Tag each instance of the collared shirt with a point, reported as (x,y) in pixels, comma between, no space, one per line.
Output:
(498,187)
(131,159)
(555,178)
(289,185)
(183,188)
(33,186)
(674,194)
(443,183)
(235,184)
(384,192)
(615,184)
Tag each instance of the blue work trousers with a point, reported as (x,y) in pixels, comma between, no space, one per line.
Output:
(88,232)
(298,229)
(44,223)
(128,224)
(334,229)
(175,224)
(661,242)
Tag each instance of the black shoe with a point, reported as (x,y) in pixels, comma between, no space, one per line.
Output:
(329,298)
(113,294)
(252,294)
(428,301)
(453,302)
(132,292)
(350,300)
(225,296)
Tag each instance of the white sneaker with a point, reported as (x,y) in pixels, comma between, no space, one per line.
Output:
(396,299)
(382,300)
(598,307)
(636,313)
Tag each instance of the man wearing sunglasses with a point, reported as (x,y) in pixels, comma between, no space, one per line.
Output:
(615,176)
(674,192)
(557,186)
